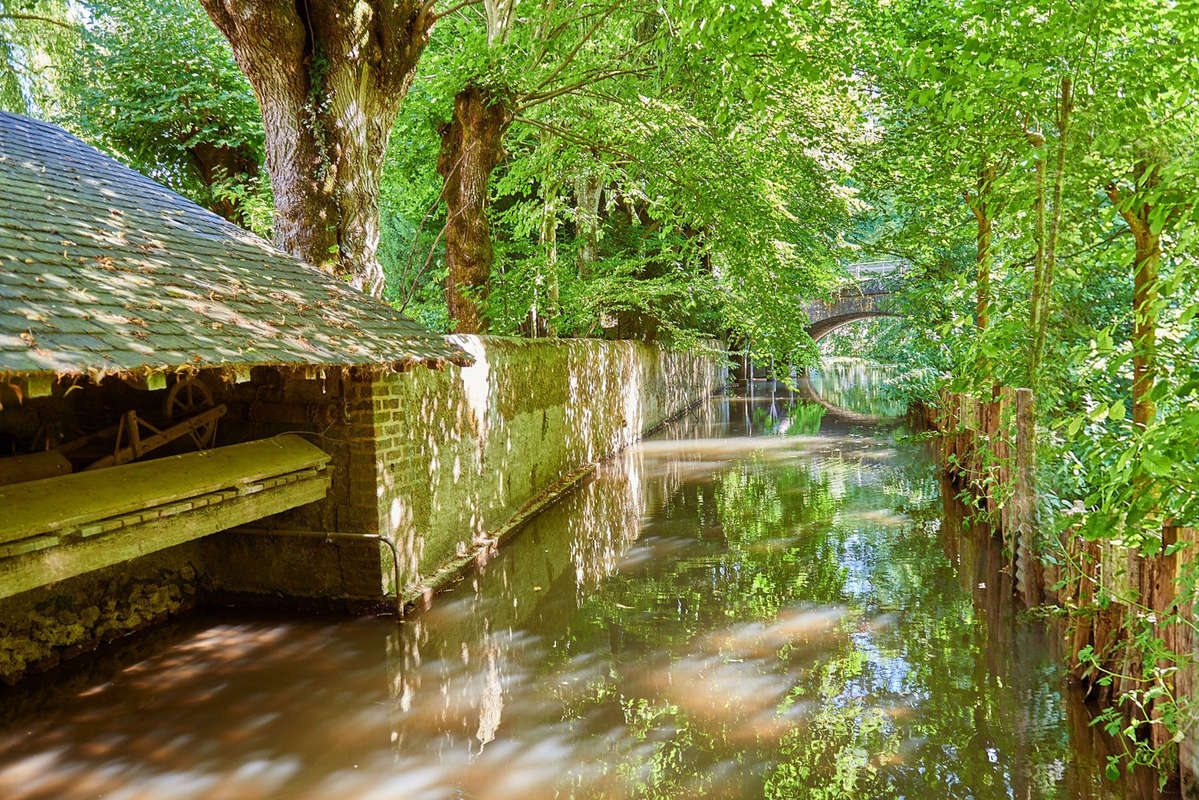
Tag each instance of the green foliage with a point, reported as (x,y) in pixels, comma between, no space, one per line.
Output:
(737,156)
(157,84)
(150,81)
(709,223)
(38,39)
(967,84)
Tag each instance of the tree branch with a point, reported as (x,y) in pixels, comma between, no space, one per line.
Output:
(429,260)
(535,99)
(416,236)
(598,147)
(38,18)
(578,46)
(1113,194)
(453,8)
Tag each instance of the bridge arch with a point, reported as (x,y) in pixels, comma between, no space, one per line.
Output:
(818,330)
(865,299)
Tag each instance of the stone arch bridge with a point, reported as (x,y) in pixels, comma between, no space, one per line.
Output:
(868,292)
(869,295)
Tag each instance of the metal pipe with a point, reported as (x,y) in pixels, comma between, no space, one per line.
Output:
(329,536)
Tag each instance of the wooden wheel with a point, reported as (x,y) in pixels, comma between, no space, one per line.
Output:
(188,397)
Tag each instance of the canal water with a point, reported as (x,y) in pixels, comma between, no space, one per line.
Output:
(858,386)
(766,599)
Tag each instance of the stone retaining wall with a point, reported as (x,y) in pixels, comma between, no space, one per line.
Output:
(461,451)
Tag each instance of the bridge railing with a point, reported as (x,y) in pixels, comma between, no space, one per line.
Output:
(876,267)
(875,277)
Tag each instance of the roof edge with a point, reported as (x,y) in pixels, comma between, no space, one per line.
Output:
(97,375)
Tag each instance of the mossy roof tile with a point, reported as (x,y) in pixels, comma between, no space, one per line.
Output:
(104,270)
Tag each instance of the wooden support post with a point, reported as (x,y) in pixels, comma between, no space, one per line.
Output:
(969,428)
(1024,498)
(1169,589)
(945,424)
(989,454)
(1004,447)
(39,385)
(1080,595)
(1185,643)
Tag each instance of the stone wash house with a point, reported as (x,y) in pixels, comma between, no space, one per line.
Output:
(166,376)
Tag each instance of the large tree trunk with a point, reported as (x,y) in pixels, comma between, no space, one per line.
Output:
(1144,332)
(471,147)
(588,191)
(329,83)
(1144,326)
(1037,141)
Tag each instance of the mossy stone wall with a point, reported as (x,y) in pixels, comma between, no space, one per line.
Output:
(459,451)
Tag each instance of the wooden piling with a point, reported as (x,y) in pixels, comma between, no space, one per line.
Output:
(1023,500)
(1185,643)
(967,450)
(1004,447)
(988,445)
(990,451)
(1171,590)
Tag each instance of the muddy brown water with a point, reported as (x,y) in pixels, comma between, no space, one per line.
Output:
(761,601)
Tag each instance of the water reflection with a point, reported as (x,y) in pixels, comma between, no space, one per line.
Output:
(749,605)
(857,387)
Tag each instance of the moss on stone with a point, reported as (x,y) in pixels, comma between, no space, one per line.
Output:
(83,615)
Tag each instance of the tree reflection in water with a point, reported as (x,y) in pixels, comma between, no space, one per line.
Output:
(858,387)
(757,602)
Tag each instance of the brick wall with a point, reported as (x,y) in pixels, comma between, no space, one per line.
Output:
(333,409)
(458,452)
(430,459)
(435,459)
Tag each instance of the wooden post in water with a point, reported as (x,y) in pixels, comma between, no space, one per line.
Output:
(1185,643)
(1170,591)
(1003,454)
(989,456)
(947,423)
(969,427)
(1024,499)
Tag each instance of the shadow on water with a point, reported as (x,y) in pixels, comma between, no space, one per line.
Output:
(759,601)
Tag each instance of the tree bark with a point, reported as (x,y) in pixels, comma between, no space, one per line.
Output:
(1144,326)
(329,81)
(1037,141)
(1065,108)
(543,319)
(471,147)
(588,190)
(980,205)
(1144,291)
(1144,334)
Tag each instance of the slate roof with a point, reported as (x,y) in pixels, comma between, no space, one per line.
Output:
(102,270)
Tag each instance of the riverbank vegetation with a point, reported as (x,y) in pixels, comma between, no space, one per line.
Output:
(697,169)
(1037,168)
